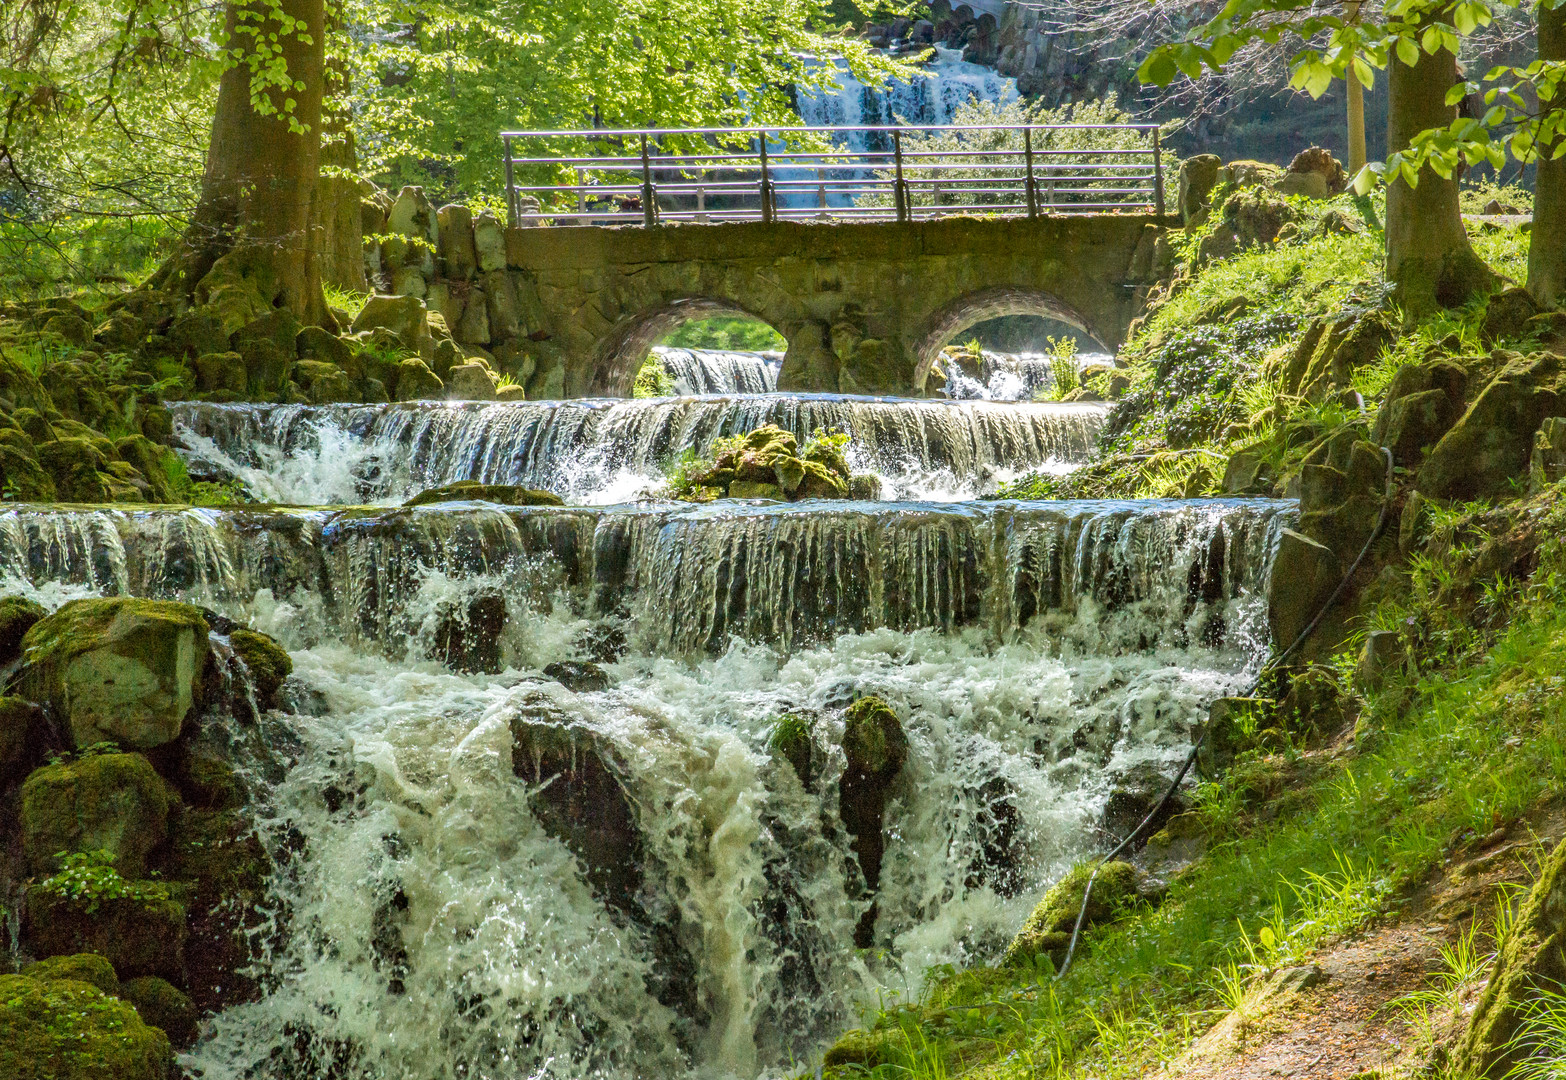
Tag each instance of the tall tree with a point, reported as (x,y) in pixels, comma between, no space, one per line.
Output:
(248,247)
(1429,259)
(1547,246)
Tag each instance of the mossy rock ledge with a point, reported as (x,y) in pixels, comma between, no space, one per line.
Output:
(769,464)
(117,670)
(473,491)
(1048,930)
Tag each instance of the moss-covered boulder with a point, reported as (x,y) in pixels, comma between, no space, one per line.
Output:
(1490,445)
(1048,929)
(1533,958)
(474,491)
(768,463)
(23,478)
(1304,575)
(122,670)
(416,382)
(875,748)
(221,371)
(76,467)
(158,464)
(164,1006)
(791,741)
(17,616)
(109,802)
(136,925)
(217,852)
(83,967)
(64,1029)
(267,662)
(863,1049)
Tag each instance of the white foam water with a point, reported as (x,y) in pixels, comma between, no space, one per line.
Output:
(601,452)
(994,376)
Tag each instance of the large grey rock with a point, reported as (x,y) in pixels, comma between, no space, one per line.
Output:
(415,233)
(1198,175)
(1492,443)
(489,242)
(458,258)
(121,670)
(470,382)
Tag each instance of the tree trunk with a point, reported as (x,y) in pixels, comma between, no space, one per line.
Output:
(248,247)
(1356,108)
(1547,243)
(337,220)
(1429,260)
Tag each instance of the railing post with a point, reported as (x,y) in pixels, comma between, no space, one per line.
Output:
(512,208)
(649,196)
(1158,175)
(899,186)
(767,207)
(1028,186)
(581,190)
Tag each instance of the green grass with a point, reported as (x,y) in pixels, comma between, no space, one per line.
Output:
(1473,736)
(736,333)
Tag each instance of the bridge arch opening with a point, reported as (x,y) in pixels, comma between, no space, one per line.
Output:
(994,315)
(698,322)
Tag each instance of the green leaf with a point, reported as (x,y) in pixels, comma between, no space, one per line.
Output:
(1407,51)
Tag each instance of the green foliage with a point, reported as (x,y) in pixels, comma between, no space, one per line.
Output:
(681,474)
(653,380)
(348,300)
(88,878)
(726,332)
(1065,376)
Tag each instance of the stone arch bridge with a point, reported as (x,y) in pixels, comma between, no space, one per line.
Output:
(864,307)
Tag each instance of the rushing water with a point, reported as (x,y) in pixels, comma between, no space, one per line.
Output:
(431,927)
(719,371)
(608,451)
(994,376)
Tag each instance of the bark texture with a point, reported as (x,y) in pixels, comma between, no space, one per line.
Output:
(1429,259)
(248,248)
(1547,244)
(337,221)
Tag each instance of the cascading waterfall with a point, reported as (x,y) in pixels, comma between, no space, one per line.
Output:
(719,371)
(951,83)
(431,926)
(1006,376)
(609,451)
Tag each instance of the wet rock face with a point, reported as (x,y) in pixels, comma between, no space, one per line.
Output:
(467,636)
(1135,794)
(140,934)
(876,749)
(579,676)
(266,661)
(17,616)
(582,803)
(121,670)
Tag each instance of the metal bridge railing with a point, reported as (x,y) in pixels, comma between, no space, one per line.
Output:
(648,176)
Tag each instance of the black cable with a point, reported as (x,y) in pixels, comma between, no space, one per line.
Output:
(1196,748)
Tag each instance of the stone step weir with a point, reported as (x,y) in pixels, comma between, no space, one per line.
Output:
(1096,577)
(606,451)
(719,371)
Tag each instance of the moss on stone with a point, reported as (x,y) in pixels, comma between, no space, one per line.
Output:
(21,732)
(1048,929)
(83,967)
(162,1005)
(266,660)
(865,1049)
(17,616)
(113,802)
(791,741)
(473,491)
(119,669)
(218,853)
(873,739)
(69,1030)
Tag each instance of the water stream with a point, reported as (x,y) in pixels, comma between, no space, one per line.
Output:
(429,925)
(607,451)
